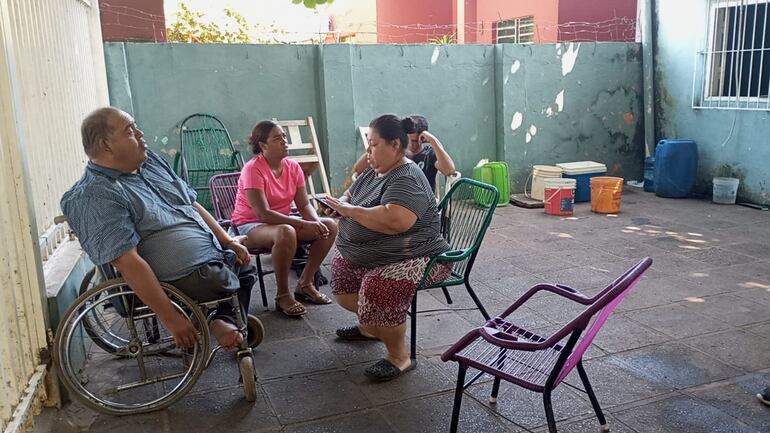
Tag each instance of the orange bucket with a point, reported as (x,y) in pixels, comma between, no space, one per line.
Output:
(605,194)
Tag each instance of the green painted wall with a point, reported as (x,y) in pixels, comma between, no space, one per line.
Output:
(571,102)
(743,153)
(452,86)
(161,84)
(469,93)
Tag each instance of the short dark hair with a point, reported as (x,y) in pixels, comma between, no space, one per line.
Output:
(391,127)
(420,123)
(95,127)
(259,134)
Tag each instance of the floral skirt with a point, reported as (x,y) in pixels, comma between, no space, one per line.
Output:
(384,292)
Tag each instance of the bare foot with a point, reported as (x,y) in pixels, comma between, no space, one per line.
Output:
(228,336)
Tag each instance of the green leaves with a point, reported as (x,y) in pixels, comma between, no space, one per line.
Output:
(443,40)
(312,4)
(190,27)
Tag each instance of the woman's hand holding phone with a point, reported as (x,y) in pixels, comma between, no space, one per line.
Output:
(336,208)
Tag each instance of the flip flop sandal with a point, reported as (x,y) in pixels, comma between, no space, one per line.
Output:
(295,310)
(353,333)
(383,370)
(320,299)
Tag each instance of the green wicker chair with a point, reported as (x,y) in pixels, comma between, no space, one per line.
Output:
(466,211)
(205,150)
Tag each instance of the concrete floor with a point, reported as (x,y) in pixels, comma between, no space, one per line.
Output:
(685,352)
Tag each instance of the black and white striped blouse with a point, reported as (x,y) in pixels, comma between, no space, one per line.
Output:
(404,186)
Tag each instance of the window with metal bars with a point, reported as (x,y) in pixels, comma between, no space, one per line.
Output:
(515,31)
(736,68)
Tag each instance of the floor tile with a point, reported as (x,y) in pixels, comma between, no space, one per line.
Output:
(681,414)
(673,365)
(298,399)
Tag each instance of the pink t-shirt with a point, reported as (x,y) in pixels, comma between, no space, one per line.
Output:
(279,191)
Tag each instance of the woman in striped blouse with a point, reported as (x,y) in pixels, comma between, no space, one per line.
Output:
(388,229)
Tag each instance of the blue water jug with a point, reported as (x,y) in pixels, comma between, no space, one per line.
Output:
(676,165)
(649,174)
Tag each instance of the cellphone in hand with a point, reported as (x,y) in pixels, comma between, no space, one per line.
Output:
(322,202)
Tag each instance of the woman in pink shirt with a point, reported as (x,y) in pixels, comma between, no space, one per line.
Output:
(268,185)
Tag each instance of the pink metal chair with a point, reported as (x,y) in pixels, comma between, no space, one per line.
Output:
(506,351)
(223,188)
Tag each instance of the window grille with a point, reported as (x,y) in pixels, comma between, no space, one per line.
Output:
(516,31)
(734,70)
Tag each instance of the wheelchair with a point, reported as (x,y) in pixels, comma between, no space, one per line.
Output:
(115,356)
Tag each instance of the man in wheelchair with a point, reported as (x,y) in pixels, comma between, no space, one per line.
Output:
(131,210)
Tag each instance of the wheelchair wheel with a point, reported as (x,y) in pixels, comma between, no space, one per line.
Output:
(141,371)
(98,322)
(255,331)
(246,366)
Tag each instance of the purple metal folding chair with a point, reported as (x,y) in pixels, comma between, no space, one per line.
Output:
(224,188)
(506,351)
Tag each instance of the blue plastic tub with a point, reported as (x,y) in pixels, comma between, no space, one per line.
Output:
(649,174)
(582,172)
(676,165)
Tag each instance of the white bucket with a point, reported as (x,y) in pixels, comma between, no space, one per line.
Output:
(539,174)
(725,190)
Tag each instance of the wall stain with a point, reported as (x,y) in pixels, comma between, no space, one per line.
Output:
(633,54)
(664,105)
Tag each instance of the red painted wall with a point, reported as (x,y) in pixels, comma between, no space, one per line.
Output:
(612,20)
(488,12)
(394,15)
(133,20)
(555,20)
(471,28)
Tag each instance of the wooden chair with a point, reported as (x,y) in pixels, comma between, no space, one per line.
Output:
(307,152)
(363,132)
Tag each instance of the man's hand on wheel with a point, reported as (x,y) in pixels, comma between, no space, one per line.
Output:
(184,333)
